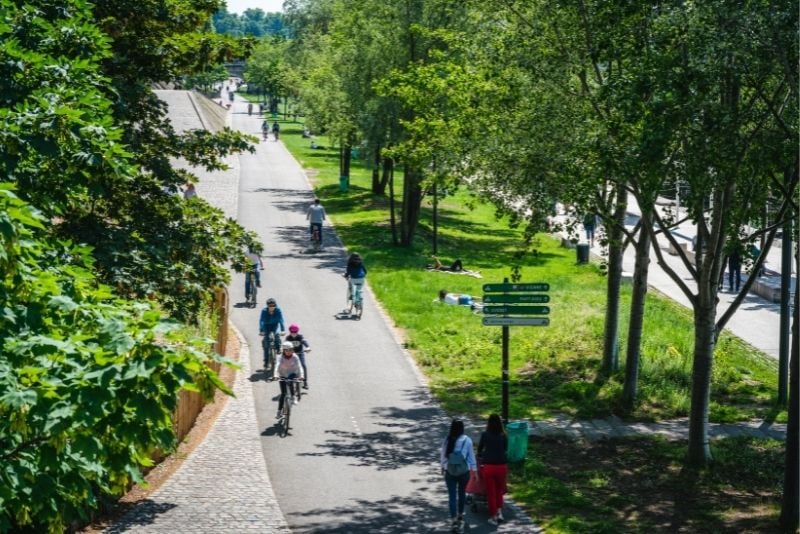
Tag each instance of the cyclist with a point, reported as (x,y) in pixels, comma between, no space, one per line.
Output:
(355,273)
(288,366)
(276,128)
(270,322)
(265,129)
(316,216)
(255,264)
(300,344)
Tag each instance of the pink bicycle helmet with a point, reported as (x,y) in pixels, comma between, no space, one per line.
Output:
(293,328)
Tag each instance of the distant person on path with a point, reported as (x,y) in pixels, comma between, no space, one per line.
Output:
(734,270)
(457,460)
(355,272)
(300,345)
(254,264)
(494,466)
(264,129)
(189,192)
(316,216)
(276,129)
(455,267)
(589,223)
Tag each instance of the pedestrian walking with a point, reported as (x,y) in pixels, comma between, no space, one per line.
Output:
(457,460)
(734,270)
(589,223)
(494,466)
(190,191)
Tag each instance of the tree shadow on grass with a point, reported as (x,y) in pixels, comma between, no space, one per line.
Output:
(639,484)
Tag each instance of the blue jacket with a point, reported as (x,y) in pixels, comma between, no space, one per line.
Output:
(270,322)
(356,271)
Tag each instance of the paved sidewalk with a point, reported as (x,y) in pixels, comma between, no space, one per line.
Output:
(756,321)
(223,485)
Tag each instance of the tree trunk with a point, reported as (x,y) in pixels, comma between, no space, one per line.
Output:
(412,201)
(388,170)
(615,249)
(640,275)
(705,339)
(376,170)
(435,221)
(344,161)
(790,508)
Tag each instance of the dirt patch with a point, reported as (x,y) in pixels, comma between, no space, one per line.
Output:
(157,476)
(635,485)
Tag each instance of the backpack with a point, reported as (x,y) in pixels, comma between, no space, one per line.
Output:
(456,463)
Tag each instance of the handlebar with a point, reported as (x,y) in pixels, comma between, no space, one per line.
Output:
(282,379)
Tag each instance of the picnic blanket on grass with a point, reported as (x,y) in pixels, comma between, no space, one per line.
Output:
(474,274)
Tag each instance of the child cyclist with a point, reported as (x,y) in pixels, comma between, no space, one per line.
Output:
(287,366)
(300,345)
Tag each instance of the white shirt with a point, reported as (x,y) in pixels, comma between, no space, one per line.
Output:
(316,213)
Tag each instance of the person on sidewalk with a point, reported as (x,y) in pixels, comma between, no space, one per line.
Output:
(300,345)
(254,264)
(589,224)
(734,270)
(316,216)
(457,460)
(494,466)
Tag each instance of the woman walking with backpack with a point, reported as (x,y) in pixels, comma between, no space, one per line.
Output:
(457,459)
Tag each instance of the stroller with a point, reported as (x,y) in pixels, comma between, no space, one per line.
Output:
(476,493)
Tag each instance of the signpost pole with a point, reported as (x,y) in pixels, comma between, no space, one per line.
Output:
(505,369)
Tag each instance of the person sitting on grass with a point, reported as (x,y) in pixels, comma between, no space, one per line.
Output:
(455,267)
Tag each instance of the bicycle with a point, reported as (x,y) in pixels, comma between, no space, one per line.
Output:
(271,345)
(286,412)
(316,237)
(355,298)
(251,289)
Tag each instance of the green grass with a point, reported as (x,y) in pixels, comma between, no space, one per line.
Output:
(639,485)
(553,369)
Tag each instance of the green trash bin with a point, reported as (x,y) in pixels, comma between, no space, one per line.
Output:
(517,432)
(344,183)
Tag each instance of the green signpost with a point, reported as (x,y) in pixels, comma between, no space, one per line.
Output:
(502,306)
(513,288)
(515,298)
(518,310)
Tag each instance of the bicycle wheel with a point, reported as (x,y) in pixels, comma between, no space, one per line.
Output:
(287,411)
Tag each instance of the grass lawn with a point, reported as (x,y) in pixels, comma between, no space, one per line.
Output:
(554,369)
(638,485)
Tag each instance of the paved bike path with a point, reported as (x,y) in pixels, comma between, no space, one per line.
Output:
(362,452)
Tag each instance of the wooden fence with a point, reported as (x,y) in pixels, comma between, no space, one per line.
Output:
(190,403)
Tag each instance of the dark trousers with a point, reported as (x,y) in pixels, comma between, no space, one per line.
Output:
(734,276)
(456,492)
(317,226)
(302,356)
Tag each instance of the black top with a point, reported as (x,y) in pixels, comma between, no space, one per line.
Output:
(492,448)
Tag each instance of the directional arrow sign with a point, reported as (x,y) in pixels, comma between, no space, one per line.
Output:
(501,288)
(522,310)
(513,299)
(516,321)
